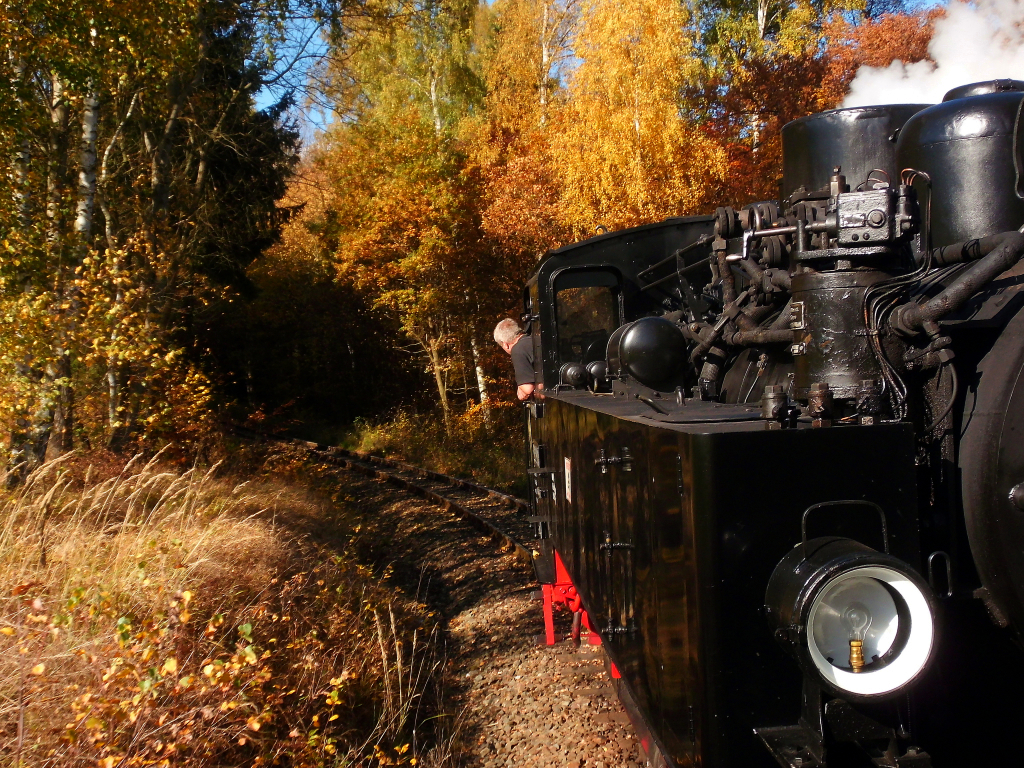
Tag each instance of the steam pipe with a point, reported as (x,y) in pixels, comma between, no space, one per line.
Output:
(728,282)
(713,363)
(729,311)
(778,332)
(779,278)
(708,343)
(760,336)
(969,250)
(997,253)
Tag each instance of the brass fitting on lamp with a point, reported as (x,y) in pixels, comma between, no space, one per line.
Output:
(856,655)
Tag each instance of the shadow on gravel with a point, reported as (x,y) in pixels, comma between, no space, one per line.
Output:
(443,562)
(513,703)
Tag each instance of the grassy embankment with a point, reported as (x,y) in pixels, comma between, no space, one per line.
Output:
(151,616)
(489,453)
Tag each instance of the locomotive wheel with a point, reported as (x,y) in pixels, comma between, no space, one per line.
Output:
(992,464)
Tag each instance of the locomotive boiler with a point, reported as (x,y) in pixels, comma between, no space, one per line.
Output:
(777,456)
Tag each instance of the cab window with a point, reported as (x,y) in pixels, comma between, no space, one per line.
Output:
(586,313)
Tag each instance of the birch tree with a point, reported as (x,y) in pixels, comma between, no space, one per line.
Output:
(405,217)
(104,265)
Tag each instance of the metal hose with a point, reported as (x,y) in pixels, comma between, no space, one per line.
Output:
(994,255)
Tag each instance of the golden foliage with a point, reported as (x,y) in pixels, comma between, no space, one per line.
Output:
(622,153)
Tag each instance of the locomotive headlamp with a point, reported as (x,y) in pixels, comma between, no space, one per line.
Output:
(859,619)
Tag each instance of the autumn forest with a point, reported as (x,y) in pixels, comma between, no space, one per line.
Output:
(176,260)
(225,222)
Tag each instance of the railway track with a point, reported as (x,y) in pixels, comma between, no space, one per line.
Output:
(518,698)
(502,516)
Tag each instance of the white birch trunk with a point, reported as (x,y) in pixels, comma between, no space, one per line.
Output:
(435,108)
(22,190)
(108,217)
(762,18)
(54,182)
(87,165)
(23,194)
(481,382)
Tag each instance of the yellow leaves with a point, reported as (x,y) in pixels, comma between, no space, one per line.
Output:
(170,666)
(6,631)
(622,151)
(38,669)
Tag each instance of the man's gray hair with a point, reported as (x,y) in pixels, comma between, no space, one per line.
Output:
(506,331)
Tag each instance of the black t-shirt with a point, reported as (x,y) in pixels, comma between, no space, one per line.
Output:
(522,360)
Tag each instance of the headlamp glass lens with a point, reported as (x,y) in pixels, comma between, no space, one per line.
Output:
(870,630)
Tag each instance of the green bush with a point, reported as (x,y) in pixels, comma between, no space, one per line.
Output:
(485,446)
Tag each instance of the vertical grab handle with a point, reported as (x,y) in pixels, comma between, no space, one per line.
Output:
(1018,150)
(608,546)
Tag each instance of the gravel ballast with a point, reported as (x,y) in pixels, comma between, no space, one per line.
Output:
(517,703)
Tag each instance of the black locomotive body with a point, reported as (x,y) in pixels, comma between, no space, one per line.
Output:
(779,451)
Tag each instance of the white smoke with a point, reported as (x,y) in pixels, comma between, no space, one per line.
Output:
(983,40)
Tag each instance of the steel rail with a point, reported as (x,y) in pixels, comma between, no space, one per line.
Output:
(367,464)
(468,485)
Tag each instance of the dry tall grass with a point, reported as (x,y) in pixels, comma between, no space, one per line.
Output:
(172,618)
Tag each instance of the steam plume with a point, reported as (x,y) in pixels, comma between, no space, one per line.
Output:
(980,41)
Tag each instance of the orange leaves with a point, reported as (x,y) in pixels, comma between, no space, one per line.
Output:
(523,214)
(874,43)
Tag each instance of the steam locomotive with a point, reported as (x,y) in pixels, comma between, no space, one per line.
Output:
(777,452)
